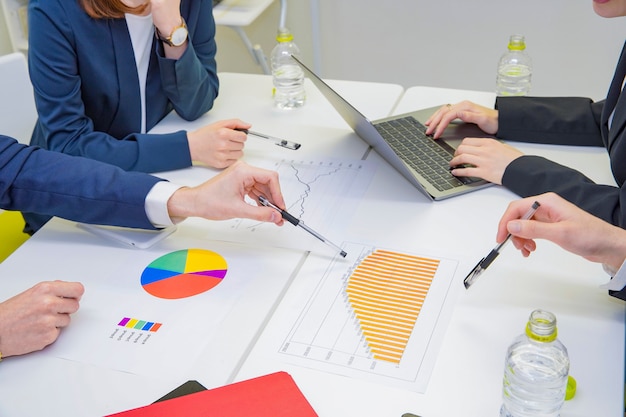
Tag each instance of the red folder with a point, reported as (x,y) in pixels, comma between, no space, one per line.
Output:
(273,395)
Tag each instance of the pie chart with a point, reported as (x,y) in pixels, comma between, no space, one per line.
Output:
(184,273)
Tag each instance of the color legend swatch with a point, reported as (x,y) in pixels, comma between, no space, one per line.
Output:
(184,273)
(387,291)
(147,326)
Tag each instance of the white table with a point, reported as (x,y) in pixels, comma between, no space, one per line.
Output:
(320,130)
(62,250)
(467,375)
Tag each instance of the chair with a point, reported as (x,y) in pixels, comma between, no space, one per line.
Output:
(18,113)
(18,116)
(11,233)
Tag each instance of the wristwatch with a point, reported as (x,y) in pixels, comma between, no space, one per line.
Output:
(177,37)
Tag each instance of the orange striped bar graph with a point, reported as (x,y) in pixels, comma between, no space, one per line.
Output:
(387,291)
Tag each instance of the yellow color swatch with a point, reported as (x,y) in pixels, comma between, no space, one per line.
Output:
(387,291)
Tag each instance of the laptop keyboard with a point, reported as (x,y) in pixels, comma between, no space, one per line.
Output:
(430,158)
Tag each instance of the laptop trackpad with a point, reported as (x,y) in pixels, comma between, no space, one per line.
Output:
(457,131)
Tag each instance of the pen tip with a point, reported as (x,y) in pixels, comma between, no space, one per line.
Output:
(343,253)
(471,277)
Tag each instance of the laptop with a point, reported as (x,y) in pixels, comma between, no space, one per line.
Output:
(402,142)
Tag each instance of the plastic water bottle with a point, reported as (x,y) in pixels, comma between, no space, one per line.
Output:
(287,75)
(535,371)
(514,69)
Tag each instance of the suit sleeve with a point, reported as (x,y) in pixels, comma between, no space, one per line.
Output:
(191,82)
(533,175)
(551,120)
(40,181)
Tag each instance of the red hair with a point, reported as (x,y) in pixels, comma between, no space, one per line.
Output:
(111,9)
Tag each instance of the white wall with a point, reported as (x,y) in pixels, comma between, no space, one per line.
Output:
(445,43)
(457,43)
(5,41)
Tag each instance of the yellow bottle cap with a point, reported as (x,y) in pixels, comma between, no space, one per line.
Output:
(284,35)
(570,391)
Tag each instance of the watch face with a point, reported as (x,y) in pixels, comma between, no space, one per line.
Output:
(179,36)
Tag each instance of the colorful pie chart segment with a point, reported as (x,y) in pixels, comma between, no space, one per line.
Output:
(184,273)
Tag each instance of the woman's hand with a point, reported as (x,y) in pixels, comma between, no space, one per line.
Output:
(218,145)
(483,158)
(565,224)
(485,118)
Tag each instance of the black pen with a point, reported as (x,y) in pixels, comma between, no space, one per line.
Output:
(487,260)
(297,222)
(277,141)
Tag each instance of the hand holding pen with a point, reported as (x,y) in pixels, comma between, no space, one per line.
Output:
(487,260)
(218,145)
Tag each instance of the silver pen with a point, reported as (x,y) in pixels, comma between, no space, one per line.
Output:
(297,222)
(277,141)
(487,260)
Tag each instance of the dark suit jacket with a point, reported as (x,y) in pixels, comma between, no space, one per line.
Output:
(569,121)
(87,90)
(80,189)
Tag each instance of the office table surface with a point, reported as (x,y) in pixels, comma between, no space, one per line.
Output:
(66,252)
(320,130)
(467,375)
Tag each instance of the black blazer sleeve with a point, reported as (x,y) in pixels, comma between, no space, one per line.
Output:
(532,175)
(551,120)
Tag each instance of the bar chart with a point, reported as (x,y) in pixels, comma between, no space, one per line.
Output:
(387,291)
(378,317)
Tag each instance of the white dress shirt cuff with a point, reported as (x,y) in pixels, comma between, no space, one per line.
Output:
(156,204)
(619,278)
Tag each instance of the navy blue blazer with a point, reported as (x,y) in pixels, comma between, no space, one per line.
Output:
(80,189)
(570,121)
(87,90)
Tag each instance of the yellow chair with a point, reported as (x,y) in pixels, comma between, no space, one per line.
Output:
(11,233)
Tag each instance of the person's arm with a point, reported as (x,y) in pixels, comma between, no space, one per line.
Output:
(552,120)
(531,175)
(34,318)
(40,181)
(484,117)
(223,196)
(220,198)
(566,225)
(190,82)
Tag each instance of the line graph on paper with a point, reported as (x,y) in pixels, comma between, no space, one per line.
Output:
(374,318)
(323,194)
